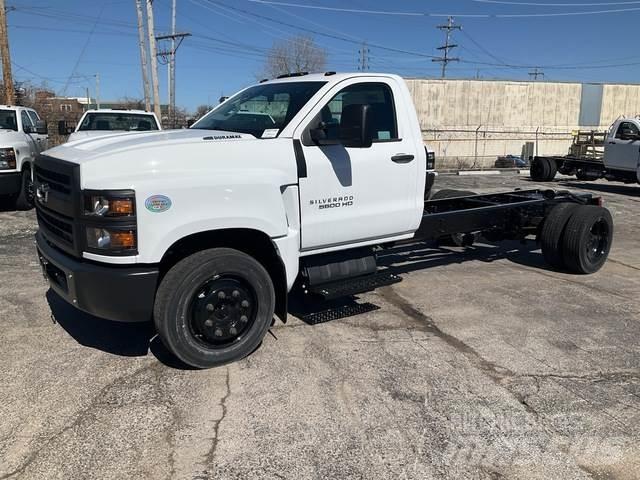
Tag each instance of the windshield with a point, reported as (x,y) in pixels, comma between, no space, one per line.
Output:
(128,122)
(8,120)
(263,110)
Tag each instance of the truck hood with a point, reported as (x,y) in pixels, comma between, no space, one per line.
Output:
(87,134)
(93,148)
(8,137)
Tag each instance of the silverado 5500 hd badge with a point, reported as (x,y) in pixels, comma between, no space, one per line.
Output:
(333,202)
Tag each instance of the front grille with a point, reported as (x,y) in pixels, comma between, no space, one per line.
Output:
(56,181)
(57,185)
(63,229)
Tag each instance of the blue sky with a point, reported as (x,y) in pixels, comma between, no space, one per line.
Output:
(63,43)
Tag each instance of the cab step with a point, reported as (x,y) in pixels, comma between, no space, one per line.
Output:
(353,286)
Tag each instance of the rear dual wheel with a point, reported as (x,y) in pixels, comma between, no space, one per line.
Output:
(543,169)
(214,307)
(576,237)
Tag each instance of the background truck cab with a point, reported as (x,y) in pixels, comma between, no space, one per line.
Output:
(106,121)
(23,135)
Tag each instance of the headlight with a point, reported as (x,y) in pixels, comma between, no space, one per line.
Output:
(110,239)
(109,205)
(7,159)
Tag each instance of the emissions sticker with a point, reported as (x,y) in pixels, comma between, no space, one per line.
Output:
(158,203)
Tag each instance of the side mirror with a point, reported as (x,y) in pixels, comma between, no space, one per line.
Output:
(355,128)
(41,127)
(28,128)
(326,134)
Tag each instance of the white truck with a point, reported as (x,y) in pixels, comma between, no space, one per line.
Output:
(620,162)
(107,121)
(294,181)
(23,136)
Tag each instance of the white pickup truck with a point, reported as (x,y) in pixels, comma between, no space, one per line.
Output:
(107,121)
(620,162)
(294,181)
(23,135)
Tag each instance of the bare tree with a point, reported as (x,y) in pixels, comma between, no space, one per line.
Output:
(297,54)
(201,111)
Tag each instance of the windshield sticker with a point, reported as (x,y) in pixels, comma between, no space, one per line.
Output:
(157,203)
(270,133)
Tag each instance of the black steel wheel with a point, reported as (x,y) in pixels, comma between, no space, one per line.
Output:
(552,233)
(214,307)
(222,311)
(587,239)
(26,196)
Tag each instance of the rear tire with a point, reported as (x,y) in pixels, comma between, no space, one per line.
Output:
(26,195)
(543,169)
(587,239)
(551,235)
(214,307)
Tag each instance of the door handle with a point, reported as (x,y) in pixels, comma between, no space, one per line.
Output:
(402,158)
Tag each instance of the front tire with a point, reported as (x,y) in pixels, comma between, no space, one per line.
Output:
(214,307)
(26,195)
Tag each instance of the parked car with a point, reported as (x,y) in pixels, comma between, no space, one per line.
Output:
(511,161)
(23,135)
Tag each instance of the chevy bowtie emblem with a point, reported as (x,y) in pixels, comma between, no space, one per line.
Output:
(42,192)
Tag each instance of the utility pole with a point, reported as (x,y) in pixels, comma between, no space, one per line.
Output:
(169,59)
(154,61)
(445,59)
(7,78)
(363,63)
(536,73)
(143,56)
(97,75)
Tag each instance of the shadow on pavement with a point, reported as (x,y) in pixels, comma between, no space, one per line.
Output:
(117,338)
(632,190)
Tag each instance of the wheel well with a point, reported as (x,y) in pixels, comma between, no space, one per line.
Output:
(252,242)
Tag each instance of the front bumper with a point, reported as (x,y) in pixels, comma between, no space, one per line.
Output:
(10,183)
(114,292)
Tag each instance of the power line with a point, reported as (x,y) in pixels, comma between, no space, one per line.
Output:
(446,59)
(538,4)
(536,73)
(441,15)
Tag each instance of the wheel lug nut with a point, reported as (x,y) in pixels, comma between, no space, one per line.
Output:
(233,330)
(218,332)
(210,307)
(245,303)
(208,323)
(235,294)
(221,295)
(244,319)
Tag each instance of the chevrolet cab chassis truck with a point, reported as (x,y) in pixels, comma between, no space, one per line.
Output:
(294,181)
(613,155)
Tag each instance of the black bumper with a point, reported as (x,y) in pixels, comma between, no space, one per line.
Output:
(119,293)
(10,183)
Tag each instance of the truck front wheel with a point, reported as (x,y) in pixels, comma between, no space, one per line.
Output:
(26,195)
(214,307)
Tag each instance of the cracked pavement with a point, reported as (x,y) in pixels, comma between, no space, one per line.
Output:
(481,364)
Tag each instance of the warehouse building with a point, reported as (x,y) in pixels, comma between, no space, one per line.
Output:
(471,122)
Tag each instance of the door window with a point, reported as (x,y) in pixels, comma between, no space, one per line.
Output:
(378,95)
(627,130)
(33,115)
(26,121)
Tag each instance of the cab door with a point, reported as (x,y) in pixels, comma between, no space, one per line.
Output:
(622,151)
(351,194)
(29,129)
(41,138)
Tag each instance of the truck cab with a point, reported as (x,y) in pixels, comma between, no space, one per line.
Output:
(23,136)
(622,147)
(107,121)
